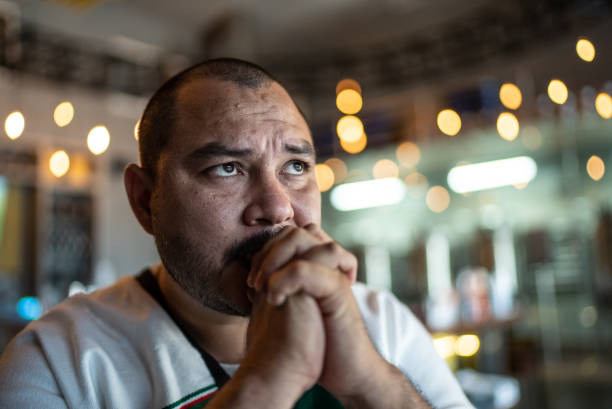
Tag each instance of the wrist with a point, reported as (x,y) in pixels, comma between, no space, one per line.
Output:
(266,388)
(384,388)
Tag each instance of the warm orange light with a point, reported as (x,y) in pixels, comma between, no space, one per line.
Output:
(603,105)
(510,96)
(63,114)
(557,91)
(347,83)
(137,130)
(349,128)
(596,167)
(59,163)
(14,124)
(325,177)
(585,50)
(354,147)
(339,168)
(467,345)
(408,154)
(98,140)
(385,168)
(437,199)
(507,126)
(449,122)
(349,101)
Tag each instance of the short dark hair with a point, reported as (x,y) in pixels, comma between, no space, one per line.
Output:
(160,115)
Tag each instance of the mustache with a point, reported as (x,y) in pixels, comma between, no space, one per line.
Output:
(244,250)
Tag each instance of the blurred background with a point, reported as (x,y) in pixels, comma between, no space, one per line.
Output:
(462,149)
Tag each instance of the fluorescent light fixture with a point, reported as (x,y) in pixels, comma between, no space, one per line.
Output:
(488,175)
(370,193)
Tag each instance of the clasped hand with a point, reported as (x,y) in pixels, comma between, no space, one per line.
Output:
(305,324)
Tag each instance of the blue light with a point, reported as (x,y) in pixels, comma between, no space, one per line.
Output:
(29,308)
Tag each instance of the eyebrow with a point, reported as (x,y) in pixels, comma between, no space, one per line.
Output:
(215,149)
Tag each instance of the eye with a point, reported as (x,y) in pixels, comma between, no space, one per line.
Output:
(297,167)
(225,169)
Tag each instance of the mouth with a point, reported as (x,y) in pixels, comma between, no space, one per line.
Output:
(243,251)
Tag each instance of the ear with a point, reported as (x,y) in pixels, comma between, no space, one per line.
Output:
(139,188)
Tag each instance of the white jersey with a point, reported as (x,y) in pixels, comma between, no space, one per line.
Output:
(117,348)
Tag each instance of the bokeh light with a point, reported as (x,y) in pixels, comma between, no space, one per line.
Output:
(325,177)
(507,126)
(445,345)
(63,114)
(416,184)
(349,101)
(347,83)
(59,163)
(350,128)
(531,137)
(467,345)
(385,168)
(408,154)
(14,124)
(437,199)
(510,96)
(29,308)
(339,168)
(603,105)
(449,122)
(585,50)
(595,167)
(355,147)
(98,139)
(588,316)
(557,91)
(137,130)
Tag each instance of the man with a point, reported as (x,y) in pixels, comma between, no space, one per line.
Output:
(252,305)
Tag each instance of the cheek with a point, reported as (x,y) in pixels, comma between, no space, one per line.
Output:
(307,205)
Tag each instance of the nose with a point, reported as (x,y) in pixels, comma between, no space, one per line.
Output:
(269,203)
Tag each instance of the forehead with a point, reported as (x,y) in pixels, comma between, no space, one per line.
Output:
(212,110)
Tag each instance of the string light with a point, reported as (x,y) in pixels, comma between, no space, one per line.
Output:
(59,163)
(595,167)
(349,128)
(137,130)
(507,126)
(557,91)
(510,96)
(449,122)
(63,114)
(603,105)
(349,101)
(325,177)
(14,124)
(355,147)
(98,140)
(585,50)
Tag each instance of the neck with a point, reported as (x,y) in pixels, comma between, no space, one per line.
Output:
(221,335)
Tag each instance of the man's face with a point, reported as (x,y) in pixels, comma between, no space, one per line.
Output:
(239,167)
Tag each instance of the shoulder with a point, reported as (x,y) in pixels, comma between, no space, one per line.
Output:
(69,340)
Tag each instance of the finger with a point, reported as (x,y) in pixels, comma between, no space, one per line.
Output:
(257,257)
(313,279)
(335,257)
(317,231)
(291,246)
